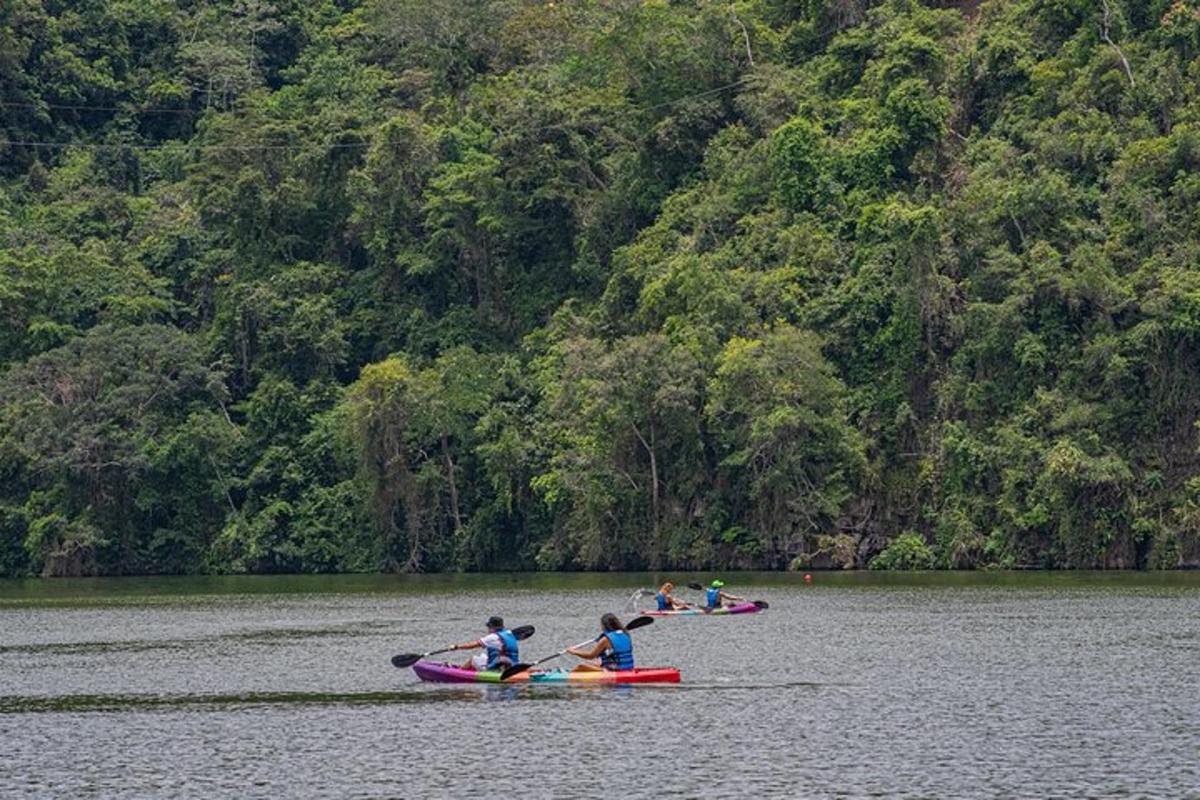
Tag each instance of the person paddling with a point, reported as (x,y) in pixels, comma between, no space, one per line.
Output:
(613,647)
(501,649)
(715,598)
(666,602)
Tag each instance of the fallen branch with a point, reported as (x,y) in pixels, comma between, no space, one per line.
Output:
(1107,38)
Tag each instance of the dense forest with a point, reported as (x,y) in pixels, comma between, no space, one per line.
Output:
(360,285)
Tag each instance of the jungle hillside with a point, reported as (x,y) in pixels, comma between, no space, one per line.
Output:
(431,285)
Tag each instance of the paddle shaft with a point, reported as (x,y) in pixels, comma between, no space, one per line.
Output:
(700,588)
(763,604)
(408,659)
(633,624)
(562,652)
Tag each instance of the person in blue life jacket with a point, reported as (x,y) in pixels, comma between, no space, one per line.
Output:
(714,598)
(500,648)
(665,601)
(613,647)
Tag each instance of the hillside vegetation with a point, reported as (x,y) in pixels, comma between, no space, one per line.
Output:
(329,285)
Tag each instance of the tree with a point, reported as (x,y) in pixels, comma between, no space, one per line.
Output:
(791,458)
(100,429)
(622,418)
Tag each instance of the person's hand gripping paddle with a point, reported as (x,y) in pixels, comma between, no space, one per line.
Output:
(405,660)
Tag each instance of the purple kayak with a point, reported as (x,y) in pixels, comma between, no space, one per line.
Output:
(740,608)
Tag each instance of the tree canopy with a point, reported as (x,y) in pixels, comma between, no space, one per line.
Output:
(609,284)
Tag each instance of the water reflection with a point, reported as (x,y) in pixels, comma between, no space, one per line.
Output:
(490,693)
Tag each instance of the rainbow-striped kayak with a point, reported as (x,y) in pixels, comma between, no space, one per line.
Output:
(740,608)
(437,672)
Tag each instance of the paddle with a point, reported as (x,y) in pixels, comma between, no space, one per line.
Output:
(639,594)
(763,604)
(517,669)
(408,659)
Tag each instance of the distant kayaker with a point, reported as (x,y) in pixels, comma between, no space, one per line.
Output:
(613,647)
(500,648)
(715,598)
(666,602)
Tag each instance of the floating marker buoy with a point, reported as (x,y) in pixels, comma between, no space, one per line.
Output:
(807,578)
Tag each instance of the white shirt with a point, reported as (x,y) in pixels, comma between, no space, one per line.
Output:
(492,640)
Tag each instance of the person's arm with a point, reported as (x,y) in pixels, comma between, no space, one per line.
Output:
(734,597)
(597,650)
(469,645)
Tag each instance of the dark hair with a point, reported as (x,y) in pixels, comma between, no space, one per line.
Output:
(610,623)
(495,622)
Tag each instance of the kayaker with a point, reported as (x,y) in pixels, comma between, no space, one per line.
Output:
(613,647)
(664,599)
(500,648)
(715,598)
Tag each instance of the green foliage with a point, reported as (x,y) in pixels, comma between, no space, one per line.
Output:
(907,551)
(114,440)
(787,449)
(799,159)
(426,285)
(621,417)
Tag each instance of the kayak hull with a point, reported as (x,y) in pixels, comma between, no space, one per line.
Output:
(437,672)
(740,608)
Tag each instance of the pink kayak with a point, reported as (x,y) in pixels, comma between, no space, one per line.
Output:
(437,672)
(740,608)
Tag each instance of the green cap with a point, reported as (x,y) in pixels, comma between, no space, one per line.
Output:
(718,584)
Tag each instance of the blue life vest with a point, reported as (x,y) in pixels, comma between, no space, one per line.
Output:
(619,654)
(663,605)
(714,597)
(506,655)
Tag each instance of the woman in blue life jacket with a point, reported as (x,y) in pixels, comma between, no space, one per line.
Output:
(500,648)
(664,599)
(613,647)
(714,598)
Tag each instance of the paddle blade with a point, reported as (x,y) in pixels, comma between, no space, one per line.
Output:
(515,669)
(406,660)
(763,604)
(696,586)
(638,622)
(522,633)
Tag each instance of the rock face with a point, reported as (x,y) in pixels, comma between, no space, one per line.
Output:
(870,528)
(1189,551)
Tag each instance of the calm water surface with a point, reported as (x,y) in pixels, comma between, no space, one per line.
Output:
(860,685)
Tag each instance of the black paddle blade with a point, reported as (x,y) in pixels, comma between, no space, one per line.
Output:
(696,586)
(522,633)
(515,669)
(405,660)
(638,622)
(763,604)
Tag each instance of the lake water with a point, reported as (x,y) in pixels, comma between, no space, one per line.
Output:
(859,685)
